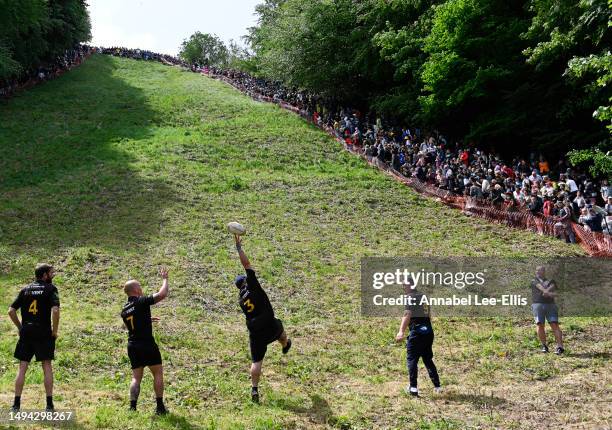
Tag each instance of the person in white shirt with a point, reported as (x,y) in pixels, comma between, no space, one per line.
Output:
(579,200)
(571,185)
(535,176)
(486,186)
(606,190)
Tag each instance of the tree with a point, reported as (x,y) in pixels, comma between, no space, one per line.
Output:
(34,32)
(474,62)
(569,44)
(204,49)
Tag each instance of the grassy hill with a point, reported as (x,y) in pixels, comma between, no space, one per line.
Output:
(121,166)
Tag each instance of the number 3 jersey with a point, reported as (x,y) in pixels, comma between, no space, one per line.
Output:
(35,303)
(255,304)
(136,315)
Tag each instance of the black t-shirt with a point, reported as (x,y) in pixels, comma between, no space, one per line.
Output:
(255,303)
(35,302)
(537,295)
(419,313)
(136,315)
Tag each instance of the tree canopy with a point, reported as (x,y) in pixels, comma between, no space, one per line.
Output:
(520,75)
(33,32)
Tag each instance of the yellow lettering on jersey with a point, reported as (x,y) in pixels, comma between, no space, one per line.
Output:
(33,309)
(131,320)
(250,306)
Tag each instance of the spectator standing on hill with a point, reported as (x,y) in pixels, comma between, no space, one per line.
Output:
(544,309)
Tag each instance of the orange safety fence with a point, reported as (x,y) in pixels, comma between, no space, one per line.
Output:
(595,244)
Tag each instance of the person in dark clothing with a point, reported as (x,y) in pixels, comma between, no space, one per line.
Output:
(420,340)
(536,205)
(39,306)
(544,309)
(142,348)
(264,328)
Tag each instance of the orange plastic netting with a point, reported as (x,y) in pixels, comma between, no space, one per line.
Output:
(595,244)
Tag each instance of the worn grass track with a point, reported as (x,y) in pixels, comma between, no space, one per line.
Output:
(120,166)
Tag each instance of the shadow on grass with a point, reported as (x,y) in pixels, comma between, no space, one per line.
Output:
(66,175)
(475,399)
(590,355)
(320,412)
(177,422)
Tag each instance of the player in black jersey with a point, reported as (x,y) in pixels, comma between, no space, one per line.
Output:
(39,306)
(142,348)
(264,328)
(420,340)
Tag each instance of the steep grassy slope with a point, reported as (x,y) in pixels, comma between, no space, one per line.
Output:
(121,166)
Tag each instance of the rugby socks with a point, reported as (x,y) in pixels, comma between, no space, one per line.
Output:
(161,409)
(133,405)
(287,347)
(50,403)
(544,348)
(17,403)
(255,394)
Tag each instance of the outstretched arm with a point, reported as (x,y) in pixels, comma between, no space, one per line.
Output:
(243,258)
(163,291)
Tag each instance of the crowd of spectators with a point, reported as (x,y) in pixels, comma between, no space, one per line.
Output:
(530,182)
(533,183)
(45,71)
(141,54)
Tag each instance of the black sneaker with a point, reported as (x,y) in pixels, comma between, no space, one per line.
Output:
(49,409)
(559,350)
(15,408)
(161,411)
(255,396)
(544,349)
(287,347)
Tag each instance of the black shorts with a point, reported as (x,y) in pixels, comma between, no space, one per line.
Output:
(43,349)
(143,354)
(258,341)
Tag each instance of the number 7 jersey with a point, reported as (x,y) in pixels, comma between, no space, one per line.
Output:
(136,315)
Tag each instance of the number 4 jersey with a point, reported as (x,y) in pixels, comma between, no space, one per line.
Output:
(35,303)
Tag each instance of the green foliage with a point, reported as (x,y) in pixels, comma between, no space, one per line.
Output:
(598,160)
(33,32)
(492,71)
(112,183)
(320,45)
(205,49)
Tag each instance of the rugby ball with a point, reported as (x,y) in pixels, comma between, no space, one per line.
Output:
(236,228)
